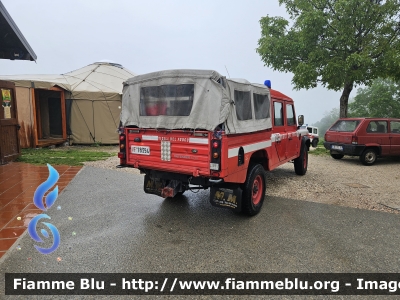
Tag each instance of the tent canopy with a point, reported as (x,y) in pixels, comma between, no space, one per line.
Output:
(93,99)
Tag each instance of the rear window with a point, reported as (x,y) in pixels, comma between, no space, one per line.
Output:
(243,105)
(166,100)
(345,125)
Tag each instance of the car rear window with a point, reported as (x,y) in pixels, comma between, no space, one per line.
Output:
(345,125)
(166,100)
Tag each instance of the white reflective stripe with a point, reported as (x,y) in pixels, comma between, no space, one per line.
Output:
(249,148)
(149,137)
(198,141)
(302,132)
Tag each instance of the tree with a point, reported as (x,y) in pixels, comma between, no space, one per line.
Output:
(337,43)
(380,100)
(327,121)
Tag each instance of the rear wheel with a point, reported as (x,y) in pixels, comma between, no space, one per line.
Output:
(314,143)
(301,163)
(254,190)
(337,156)
(179,194)
(368,157)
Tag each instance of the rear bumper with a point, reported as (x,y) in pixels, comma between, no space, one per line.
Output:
(348,149)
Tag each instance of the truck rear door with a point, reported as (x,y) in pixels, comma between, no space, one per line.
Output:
(176,151)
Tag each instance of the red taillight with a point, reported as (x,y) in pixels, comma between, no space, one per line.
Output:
(354,139)
(122,137)
(215,145)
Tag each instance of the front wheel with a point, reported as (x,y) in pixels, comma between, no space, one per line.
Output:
(368,157)
(301,163)
(254,191)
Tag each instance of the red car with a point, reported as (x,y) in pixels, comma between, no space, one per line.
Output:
(367,138)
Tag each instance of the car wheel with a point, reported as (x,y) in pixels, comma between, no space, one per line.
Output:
(368,157)
(301,163)
(179,194)
(254,191)
(314,143)
(337,156)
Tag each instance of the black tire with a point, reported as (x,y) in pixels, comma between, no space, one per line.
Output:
(301,163)
(337,156)
(254,190)
(368,157)
(179,194)
(314,143)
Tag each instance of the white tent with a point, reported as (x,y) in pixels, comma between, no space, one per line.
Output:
(94,102)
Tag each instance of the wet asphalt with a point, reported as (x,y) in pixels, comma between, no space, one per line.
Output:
(108,224)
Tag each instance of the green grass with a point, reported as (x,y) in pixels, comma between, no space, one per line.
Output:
(70,157)
(320,150)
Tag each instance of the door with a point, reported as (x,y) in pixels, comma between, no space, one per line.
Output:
(377,133)
(395,138)
(9,141)
(279,137)
(293,142)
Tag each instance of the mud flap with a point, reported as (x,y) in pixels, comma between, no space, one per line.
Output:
(227,197)
(154,185)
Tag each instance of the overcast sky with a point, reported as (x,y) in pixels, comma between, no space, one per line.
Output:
(147,36)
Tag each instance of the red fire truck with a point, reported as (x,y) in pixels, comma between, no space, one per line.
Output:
(195,129)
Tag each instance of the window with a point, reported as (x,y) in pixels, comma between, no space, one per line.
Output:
(278,114)
(166,100)
(261,106)
(315,130)
(345,125)
(290,115)
(377,127)
(243,105)
(395,127)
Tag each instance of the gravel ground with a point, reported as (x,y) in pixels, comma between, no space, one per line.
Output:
(344,182)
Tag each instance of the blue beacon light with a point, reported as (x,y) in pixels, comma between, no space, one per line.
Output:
(267,83)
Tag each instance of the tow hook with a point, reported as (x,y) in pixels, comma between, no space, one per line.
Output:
(171,189)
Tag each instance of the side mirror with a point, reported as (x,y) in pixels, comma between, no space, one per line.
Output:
(300,120)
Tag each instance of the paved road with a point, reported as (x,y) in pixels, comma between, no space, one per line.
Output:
(115,227)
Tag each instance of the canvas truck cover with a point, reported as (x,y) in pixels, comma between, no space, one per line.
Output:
(194,99)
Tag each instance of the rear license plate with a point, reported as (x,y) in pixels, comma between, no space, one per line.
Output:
(337,147)
(143,150)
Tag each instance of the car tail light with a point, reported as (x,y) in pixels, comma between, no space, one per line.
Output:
(354,139)
(215,163)
(122,148)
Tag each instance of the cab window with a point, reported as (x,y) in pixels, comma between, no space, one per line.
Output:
(278,114)
(290,115)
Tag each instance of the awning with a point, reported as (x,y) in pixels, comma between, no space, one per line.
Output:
(13,45)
